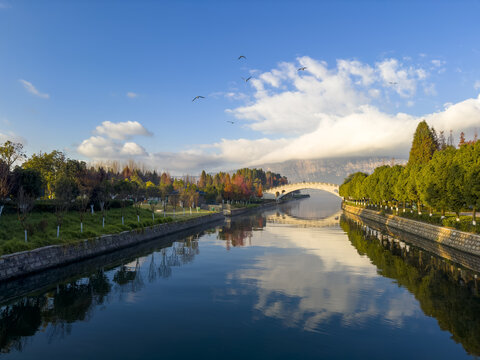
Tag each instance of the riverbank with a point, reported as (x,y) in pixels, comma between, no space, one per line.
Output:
(231,211)
(21,264)
(41,225)
(42,281)
(28,262)
(463,241)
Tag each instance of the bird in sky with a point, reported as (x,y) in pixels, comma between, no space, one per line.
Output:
(231,122)
(198,97)
(303,68)
(242,57)
(393,83)
(246,80)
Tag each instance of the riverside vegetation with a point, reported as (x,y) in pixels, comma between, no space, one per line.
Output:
(51,199)
(438,185)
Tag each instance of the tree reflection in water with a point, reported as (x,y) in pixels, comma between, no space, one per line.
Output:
(56,310)
(239,232)
(444,291)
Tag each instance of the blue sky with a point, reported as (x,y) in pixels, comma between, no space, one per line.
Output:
(67,67)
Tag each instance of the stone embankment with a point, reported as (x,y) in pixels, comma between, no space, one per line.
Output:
(463,241)
(28,262)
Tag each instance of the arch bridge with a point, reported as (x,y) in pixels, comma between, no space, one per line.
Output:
(280,191)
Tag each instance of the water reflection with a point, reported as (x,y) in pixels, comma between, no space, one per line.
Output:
(67,303)
(444,291)
(239,230)
(286,290)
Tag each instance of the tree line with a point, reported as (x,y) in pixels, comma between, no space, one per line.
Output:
(438,176)
(65,183)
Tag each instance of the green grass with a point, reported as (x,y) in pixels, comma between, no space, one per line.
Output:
(42,226)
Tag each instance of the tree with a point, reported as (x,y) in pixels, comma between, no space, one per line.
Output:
(138,192)
(50,166)
(455,188)
(25,202)
(5,184)
(123,189)
(86,182)
(153,193)
(411,183)
(435,177)
(66,191)
(468,157)
(202,182)
(103,193)
(442,142)
(423,145)
(352,187)
(11,152)
(472,185)
(27,179)
(173,199)
(399,187)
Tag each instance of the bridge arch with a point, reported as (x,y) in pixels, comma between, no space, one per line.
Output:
(280,191)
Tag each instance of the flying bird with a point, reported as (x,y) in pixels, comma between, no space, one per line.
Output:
(231,122)
(302,68)
(198,97)
(242,57)
(246,80)
(393,83)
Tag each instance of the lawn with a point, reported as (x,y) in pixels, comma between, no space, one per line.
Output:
(42,226)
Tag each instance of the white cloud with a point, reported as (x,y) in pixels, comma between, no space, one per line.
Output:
(100,148)
(476,86)
(430,89)
(365,72)
(132,95)
(122,130)
(401,79)
(110,141)
(321,112)
(438,63)
(32,90)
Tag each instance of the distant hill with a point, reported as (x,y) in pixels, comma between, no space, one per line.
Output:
(327,170)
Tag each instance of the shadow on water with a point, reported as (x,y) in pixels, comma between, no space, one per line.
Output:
(445,291)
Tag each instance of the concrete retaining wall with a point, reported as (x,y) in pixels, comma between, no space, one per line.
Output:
(27,262)
(459,240)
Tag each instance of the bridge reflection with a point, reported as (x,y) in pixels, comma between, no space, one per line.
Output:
(283,218)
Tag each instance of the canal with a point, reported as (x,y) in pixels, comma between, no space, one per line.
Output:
(301,281)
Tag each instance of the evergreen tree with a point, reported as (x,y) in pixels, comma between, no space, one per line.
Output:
(423,146)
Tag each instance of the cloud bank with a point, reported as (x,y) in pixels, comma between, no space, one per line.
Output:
(321,112)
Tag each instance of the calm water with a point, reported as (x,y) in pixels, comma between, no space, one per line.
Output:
(298,282)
